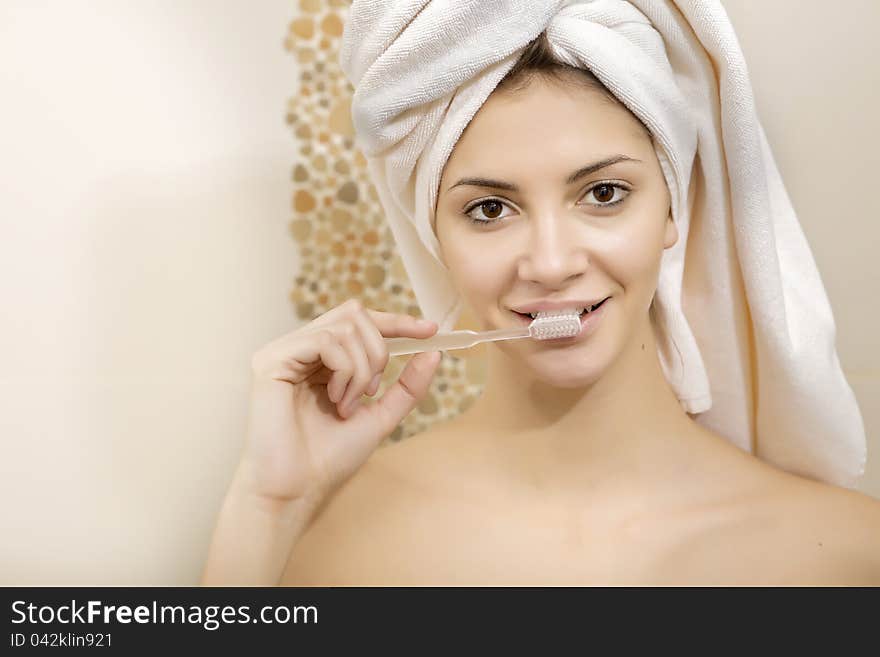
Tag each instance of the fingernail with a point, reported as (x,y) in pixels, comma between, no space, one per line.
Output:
(374,384)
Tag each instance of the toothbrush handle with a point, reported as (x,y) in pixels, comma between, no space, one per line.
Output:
(454,340)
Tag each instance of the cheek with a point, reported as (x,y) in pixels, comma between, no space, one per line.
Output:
(476,270)
(634,256)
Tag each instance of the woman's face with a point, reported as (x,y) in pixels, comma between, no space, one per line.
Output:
(535,233)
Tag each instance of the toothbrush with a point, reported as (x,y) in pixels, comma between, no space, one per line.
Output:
(546,326)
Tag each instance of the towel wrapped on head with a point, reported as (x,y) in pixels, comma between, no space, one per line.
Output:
(745,332)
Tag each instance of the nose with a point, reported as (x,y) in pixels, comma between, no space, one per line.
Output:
(553,254)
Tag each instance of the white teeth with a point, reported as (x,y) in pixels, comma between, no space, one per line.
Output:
(580,311)
(564,311)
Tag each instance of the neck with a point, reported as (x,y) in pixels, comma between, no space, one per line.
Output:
(624,423)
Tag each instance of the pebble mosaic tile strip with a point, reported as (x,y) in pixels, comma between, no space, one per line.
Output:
(346,250)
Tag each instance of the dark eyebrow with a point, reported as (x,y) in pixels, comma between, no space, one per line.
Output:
(574,177)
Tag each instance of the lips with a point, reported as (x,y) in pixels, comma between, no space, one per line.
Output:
(590,323)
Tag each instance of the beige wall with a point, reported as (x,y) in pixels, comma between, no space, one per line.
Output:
(144,202)
(144,168)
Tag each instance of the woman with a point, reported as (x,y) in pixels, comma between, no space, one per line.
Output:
(578,464)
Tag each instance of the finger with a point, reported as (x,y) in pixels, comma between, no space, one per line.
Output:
(337,360)
(350,337)
(377,352)
(374,385)
(393,325)
(375,347)
(370,387)
(374,344)
(270,357)
(294,356)
(336,313)
(409,389)
(390,325)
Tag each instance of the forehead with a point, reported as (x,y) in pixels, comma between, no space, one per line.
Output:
(547,124)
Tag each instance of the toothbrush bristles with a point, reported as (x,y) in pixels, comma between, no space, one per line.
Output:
(555,325)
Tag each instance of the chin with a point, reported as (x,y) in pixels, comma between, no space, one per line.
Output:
(569,377)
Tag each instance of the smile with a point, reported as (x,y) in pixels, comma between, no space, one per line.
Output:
(589,323)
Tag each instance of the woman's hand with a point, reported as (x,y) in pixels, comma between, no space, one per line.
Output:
(307,431)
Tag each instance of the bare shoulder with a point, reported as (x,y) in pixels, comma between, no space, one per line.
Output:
(760,525)
(838,528)
(363,534)
(792,531)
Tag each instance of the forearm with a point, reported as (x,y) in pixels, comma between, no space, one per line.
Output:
(253,538)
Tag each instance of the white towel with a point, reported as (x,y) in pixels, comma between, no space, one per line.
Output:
(746,336)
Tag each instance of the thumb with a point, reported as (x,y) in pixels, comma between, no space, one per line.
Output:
(409,389)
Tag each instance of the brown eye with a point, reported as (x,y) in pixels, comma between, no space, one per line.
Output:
(491,209)
(604,193)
